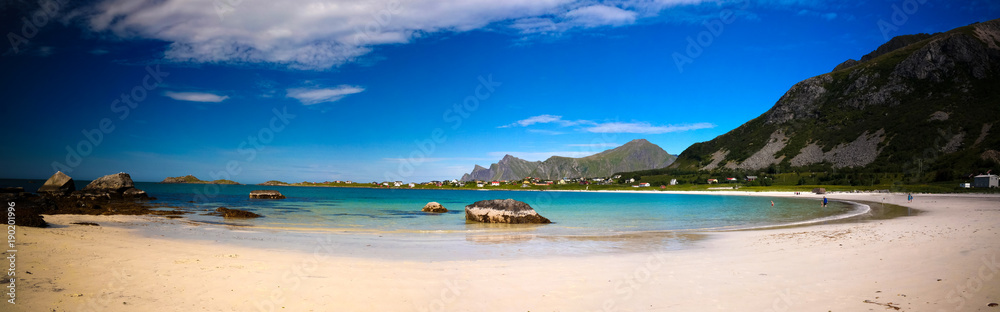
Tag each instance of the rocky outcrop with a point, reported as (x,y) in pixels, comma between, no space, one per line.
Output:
(274,183)
(434,207)
(801,101)
(110,187)
(58,184)
(134,193)
(185,179)
(916,102)
(235,213)
(266,194)
(118,182)
(194,180)
(635,155)
(503,211)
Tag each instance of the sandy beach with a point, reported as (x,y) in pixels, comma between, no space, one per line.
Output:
(944,259)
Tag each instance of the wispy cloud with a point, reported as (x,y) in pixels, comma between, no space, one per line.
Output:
(196,96)
(320,34)
(603,127)
(600,15)
(311,96)
(644,127)
(547,132)
(544,119)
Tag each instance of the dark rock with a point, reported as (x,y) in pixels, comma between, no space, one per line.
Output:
(86,223)
(819,190)
(266,194)
(58,184)
(235,213)
(117,183)
(135,193)
(503,211)
(992,304)
(30,216)
(434,207)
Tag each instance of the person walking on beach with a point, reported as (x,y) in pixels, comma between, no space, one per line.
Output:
(824,201)
(909,198)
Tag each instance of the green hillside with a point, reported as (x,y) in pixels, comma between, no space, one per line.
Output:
(923,106)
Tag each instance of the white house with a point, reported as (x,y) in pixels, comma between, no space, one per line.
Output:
(479,185)
(986,181)
(673,181)
(495,183)
(412,185)
(643,184)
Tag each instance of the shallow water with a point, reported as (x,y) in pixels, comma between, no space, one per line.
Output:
(388,223)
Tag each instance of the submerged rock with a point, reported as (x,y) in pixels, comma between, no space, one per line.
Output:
(235,213)
(434,207)
(266,194)
(58,184)
(503,211)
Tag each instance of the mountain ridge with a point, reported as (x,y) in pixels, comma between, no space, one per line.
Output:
(918,103)
(637,154)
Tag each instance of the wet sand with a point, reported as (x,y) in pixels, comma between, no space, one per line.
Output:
(945,259)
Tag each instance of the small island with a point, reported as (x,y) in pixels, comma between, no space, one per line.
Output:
(190,179)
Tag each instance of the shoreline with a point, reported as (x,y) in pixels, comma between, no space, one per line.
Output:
(923,263)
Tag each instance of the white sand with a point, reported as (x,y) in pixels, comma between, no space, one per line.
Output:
(942,260)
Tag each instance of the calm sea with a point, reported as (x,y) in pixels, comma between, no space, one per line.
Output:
(398,210)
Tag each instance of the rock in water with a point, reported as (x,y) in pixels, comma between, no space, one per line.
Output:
(503,211)
(266,194)
(434,207)
(117,183)
(135,193)
(235,213)
(58,184)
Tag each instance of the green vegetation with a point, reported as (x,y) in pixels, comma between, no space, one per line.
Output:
(896,90)
(190,179)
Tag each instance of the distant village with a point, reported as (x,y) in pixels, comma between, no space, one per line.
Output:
(530,181)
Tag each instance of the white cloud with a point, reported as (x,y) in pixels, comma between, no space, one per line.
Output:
(544,119)
(195,96)
(548,132)
(605,127)
(310,96)
(644,127)
(600,15)
(320,34)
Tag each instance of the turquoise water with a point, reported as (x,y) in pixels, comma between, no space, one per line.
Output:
(573,213)
(388,223)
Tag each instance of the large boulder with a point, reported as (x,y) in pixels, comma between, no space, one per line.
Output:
(58,184)
(266,194)
(116,183)
(503,211)
(434,207)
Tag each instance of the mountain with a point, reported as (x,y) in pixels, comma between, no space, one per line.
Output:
(635,155)
(917,103)
(194,180)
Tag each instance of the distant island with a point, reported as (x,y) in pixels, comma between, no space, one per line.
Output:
(190,179)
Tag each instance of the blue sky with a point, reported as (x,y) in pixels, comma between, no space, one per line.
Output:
(416,90)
